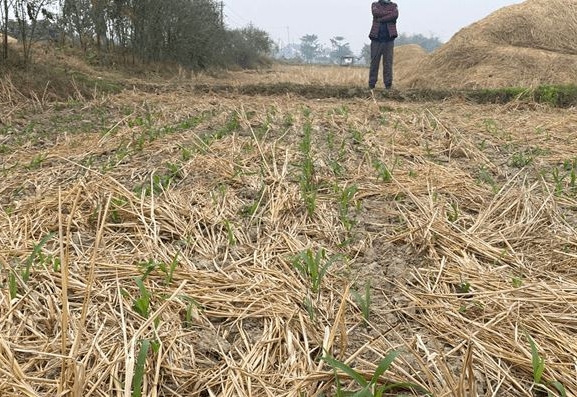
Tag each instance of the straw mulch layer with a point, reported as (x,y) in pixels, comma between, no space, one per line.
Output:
(527,44)
(172,221)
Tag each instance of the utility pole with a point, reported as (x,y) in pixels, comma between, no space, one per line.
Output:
(222,13)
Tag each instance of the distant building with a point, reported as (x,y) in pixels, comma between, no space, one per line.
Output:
(348,60)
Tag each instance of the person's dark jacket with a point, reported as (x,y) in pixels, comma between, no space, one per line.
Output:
(384,27)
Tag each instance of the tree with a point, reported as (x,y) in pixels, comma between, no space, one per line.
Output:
(76,20)
(99,18)
(340,48)
(366,53)
(5,11)
(188,32)
(310,47)
(249,46)
(120,23)
(27,14)
(201,37)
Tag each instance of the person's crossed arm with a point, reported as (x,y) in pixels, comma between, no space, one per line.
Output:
(387,13)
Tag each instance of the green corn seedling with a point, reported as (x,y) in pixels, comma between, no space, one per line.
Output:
(364,301)
(313,266)
(369,388)
(142,304)
(139,371)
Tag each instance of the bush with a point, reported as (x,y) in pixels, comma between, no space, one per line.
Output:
(248,47)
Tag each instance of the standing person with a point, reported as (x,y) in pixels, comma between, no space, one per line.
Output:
(383,34)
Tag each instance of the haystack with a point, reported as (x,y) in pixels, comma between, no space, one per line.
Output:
(526,44)
(11,40)
(405,57)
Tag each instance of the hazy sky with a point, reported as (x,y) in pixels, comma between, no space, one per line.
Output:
(289,20)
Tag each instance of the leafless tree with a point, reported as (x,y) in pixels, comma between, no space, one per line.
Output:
(27,13)
(6,4)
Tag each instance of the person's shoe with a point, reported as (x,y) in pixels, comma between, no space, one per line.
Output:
(371,86)
(388,87)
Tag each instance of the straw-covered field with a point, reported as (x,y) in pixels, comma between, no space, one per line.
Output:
(178,242)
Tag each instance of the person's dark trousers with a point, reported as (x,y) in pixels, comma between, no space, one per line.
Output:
(381,50)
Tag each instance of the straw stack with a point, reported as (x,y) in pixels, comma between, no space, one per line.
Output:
(527,44)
